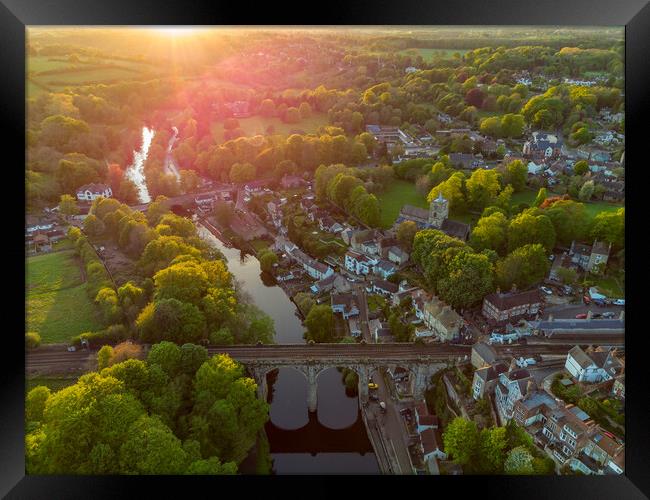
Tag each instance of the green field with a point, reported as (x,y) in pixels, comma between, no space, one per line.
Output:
(57,305)
(399,193)
(592,207)
(610,286)
(258,124)
(54,383)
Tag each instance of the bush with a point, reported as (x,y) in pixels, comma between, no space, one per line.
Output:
(111,335)
(32,340)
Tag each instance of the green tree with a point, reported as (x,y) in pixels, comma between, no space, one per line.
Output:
(581,167)
(519,461)
(104,356)
(570,220)
(267,259)
(68,205)
(492,447)
(523,267)
(320,323)
(482,188)
(490,232)
(461,440)
(35,403)
(541,196)
(108,303)
(586,191)
(406,232)
(240,173)
(609,227)
(32,340)
(516,174)
(94,226)
(170,319)
(526,229)
(567,275)
(468,280)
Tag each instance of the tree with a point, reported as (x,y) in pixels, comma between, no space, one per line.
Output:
(186,281)
(492,447)
(128,192)
(468,279)
(68,205)
(292,115)
(570,220)
(94,226)
(189,181)
(170,319)
(108,303)
(452,190)
(267,259)
(305,110)
(610,227)
(267,108)
(541,196)
(241,173)
(516,174)
(475,97)
(519,461)
(32,340)
(406,232)
(35,403)
(512,125)
(490,232)
(461,439)
(157,209)
(482,188)
(104,356)
(586,191)
(581,167)
(525,229)
(320,323)
(523,267)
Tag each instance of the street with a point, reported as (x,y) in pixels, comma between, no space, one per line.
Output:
(570,311)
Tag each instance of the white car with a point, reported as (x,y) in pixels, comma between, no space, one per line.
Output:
(546,290)
(619,302)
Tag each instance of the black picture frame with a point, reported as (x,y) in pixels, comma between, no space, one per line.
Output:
(15,15)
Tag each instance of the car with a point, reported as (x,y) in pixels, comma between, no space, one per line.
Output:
(608,314)
(546,290)
(373,397)
(581,316)
(567,289)
(372,386)
(596,315)
(619,302)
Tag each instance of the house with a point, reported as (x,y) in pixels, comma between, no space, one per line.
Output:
(432,448)
(436,217)
(204,200)
(55,235)
(333,282)
(562,261)
(486,378)
(257,186)
(382,287)
(384,268)
(565,432)
(92,191)
(292,181)
(328,224)
(618,388)
(442,319)
(542,145)
(512,386)
(483,355)
(423,419)
(605,451)
(345,303)
(500,307)
(42,243)
(317,270)
(397,255)
(382,334)
(365,241)
(599,256)
(354,326)
(465,161)
(592,365)
(358,263)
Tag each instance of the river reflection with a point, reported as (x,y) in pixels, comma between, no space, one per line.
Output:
(331,441)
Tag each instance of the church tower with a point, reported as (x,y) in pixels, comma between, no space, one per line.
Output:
(438,211)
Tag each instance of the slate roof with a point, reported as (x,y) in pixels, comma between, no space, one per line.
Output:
(505,301)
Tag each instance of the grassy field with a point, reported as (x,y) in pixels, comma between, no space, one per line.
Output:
(258,125)
(593,207)
(610,287)
(399,193)
(54,383)
(57,305)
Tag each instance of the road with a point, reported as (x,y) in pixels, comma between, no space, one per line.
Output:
(570,311)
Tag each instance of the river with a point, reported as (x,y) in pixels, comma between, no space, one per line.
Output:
(135,171)
(334,439)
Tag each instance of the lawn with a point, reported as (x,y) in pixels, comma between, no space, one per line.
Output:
(610,287)
(399,193)
(57,305)
(257,125)
(54,383)
(593,207)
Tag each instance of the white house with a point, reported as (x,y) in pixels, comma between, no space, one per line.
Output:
(317,270)
(593,365)
(344,303)
(358,263)
(432,445)
(91,192)
(385,268)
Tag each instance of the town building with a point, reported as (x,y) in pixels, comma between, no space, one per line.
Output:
(486,378)
(92,191)
(590,258)
(398,256)
(382,287)
(442,320)
(501,307)
(436,217)
(593,365)
(511,387)
(483,355)
(345,304)
(558,327)
(542,145)
(384,269)
(359,263)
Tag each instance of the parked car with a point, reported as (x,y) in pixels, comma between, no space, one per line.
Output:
(546,290)
(382,406)
(567,289)
(619,302)
(608,314)
(581,316)
(372,386)
(596,315)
